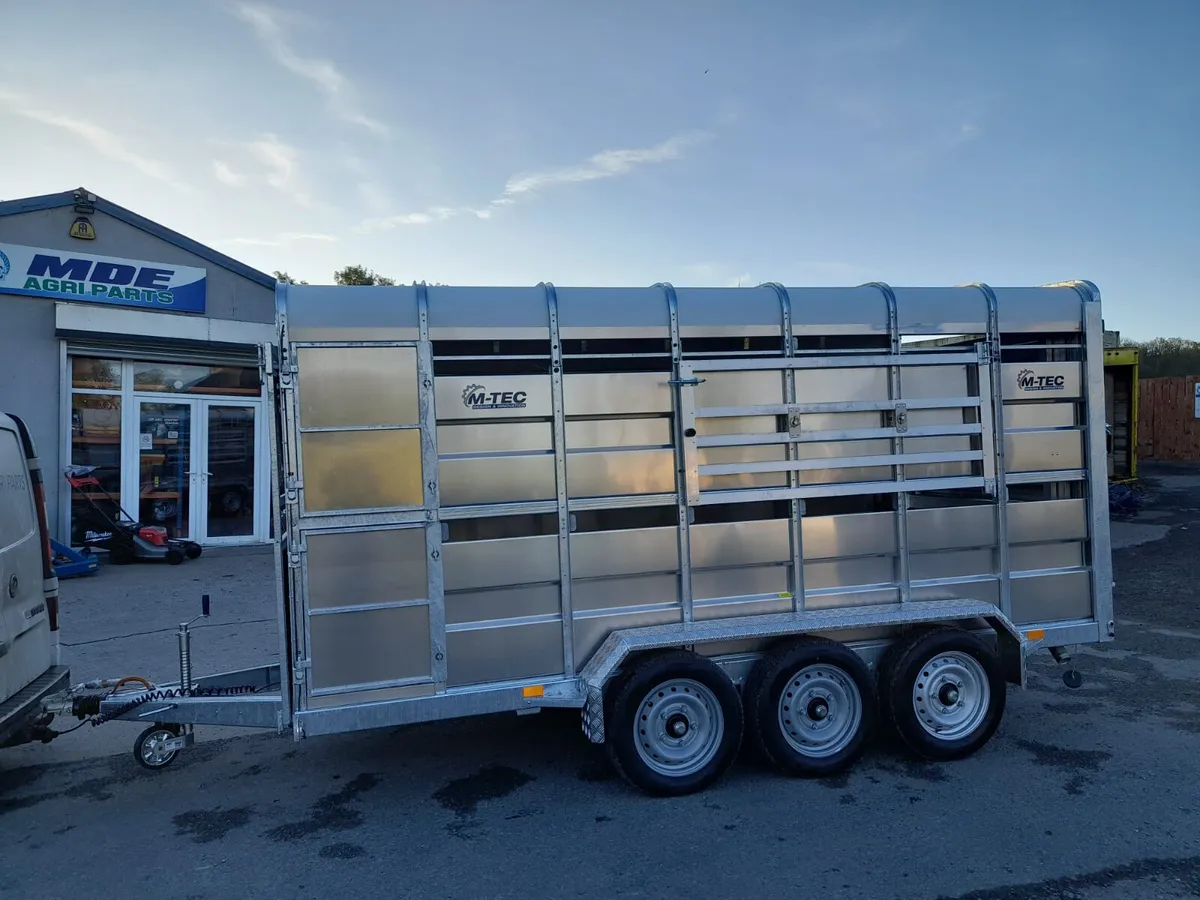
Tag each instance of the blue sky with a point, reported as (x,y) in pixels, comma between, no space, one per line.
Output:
(633,141)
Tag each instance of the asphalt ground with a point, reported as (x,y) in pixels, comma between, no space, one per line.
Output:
(1091,794)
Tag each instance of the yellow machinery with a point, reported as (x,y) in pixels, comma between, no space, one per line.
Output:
(1121,411)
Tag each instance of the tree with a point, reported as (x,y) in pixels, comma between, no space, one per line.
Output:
(285,278)
(360,275)
(1169,356)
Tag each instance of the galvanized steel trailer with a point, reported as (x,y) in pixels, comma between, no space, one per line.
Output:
(691,512)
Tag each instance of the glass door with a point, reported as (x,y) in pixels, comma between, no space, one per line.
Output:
(167,478)
(229,513)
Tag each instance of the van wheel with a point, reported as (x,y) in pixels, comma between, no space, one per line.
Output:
(945,693)
(675,724)
(148,748)
(810,707)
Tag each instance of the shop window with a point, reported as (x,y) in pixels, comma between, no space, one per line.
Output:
(95,374)
(96,441)
(241,381)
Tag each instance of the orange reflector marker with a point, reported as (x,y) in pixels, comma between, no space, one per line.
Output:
(1036,635)
(533,690)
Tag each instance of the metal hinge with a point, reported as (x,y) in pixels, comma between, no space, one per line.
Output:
(900,418)
(686,382)
(301,666)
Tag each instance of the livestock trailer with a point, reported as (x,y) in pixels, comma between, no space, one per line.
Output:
(692,513)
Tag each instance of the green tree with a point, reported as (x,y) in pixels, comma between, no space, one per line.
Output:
(1163,357)
(285,278)
(360,275)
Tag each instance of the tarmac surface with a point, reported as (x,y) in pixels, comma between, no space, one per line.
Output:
(1091,794)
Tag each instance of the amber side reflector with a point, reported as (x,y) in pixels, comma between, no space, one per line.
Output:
(1036,635)
(533,690)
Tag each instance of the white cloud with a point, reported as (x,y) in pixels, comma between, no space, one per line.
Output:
(322,73)
(606,164)
(279,159)
(97,137)
(281,240)
(967,132)
(226,175)
(281,163)
(266,160)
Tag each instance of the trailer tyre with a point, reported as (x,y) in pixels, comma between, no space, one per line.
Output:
(675,724)
(148,749)
(945,693)
(810,707)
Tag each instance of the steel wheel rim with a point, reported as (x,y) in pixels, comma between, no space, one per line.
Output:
(951,695)
(679,727)
(820,711)
(153,753)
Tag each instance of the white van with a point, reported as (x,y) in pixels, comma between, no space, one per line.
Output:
(28,592)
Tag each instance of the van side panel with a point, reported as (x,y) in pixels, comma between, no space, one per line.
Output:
(25,646)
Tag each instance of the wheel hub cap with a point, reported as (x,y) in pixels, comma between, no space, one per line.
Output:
(679,727)
(154,750)
(820,711)
(951,695)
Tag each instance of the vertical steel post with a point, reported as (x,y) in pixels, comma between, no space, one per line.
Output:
(997,390)
(795,506)
(899,414)
(683,512)
(560,479)
(430,494)
(1099,530)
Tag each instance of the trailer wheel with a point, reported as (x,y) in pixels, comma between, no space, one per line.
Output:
(148,748)
(810,707)
(945,693)
(675,725)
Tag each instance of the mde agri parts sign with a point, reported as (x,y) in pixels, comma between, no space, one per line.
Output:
(86,278)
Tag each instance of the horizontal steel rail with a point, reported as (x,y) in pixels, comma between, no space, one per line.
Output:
(784,409)
(833,362)
(846,489)
(841,462)
(845,434)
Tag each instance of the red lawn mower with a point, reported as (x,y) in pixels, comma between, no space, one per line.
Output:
(125,539)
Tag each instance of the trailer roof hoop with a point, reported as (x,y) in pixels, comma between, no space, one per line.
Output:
(785,306)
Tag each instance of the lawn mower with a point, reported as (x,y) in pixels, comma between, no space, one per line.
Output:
(126,539)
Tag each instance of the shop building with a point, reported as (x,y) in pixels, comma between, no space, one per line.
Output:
(131,347)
